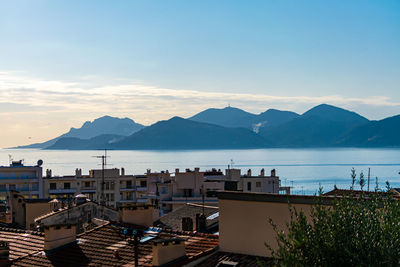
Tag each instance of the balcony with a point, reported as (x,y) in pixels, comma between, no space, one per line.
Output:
(88,189)
(127,188)
(141,188)
(62,191)
(127,200)
(192,200)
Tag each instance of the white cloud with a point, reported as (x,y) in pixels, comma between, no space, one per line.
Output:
(48,108)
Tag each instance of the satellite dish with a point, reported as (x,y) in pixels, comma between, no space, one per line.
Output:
(39,162)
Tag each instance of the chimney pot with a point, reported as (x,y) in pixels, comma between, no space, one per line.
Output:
(4,253)
(249,172)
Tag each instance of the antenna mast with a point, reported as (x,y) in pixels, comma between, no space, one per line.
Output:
(103,165)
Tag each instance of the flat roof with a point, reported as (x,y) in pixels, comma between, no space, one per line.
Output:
(278,198)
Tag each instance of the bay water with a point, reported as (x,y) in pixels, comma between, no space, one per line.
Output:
(304,169)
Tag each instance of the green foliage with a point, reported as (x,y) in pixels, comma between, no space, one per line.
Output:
(353,178)
(362,231)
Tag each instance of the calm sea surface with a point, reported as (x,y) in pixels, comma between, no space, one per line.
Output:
(304,168)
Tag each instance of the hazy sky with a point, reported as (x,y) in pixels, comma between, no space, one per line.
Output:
(66,62)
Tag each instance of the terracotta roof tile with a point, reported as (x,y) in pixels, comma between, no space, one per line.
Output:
(97,246)
(21,242)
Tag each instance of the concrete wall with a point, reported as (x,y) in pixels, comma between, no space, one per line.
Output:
(165,253)
(139,215)
(57,236)
(244,225)
(79,214)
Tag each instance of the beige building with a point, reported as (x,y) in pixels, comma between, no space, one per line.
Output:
(244,219)
(197,187)
(119,189)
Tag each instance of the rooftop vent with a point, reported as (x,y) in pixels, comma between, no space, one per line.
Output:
(227,264)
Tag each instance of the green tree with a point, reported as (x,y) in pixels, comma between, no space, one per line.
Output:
(353,178)
(363,231)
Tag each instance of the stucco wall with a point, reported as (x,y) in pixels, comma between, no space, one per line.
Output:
(244,225)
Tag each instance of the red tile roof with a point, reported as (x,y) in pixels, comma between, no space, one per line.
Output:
(98,246)
(21,242)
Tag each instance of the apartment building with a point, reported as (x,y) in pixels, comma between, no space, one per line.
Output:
(25,179)
(119,188)
(197,187)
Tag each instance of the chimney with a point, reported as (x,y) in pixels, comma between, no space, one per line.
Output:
(187,224)
(273,173)
(78,172)
(249,172)
(166,251)
(148,171)
(122,171)
(176,170)
(4,253)
(201,223)
(196,169)
(48,173)
(262,173)
(138,215)
(57,236)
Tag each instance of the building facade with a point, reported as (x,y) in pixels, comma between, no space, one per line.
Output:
(27,180)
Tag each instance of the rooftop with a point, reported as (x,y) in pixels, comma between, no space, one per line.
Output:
(22,242)
(173,219)
(97,247)
(223,258)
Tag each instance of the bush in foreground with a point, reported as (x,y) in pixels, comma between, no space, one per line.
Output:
(361,231)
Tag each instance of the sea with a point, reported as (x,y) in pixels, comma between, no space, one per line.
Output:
(305,170)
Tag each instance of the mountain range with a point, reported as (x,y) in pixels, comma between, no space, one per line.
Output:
(233,128)
(105,125)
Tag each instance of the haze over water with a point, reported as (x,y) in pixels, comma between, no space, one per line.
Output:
(307,168)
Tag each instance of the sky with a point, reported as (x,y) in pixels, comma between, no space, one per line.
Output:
(66,62)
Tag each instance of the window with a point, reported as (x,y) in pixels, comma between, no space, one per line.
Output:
(2,187)
(187,192)
(248,186)
(107,185)
(258,184)
(143,183)
(11,187)
(112,197)
(128,184)
(53,186)
(112,185)
(163,190)
(87,184)
(67,185)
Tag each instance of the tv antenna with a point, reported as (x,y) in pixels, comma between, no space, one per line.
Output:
(103,165)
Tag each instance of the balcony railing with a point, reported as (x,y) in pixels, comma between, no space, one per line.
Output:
(62,191)
(88,189)
(194,199)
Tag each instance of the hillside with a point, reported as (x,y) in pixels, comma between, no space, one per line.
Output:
(179,133)
(105,125)
(99,142)
(234,118)
(321,126)
(383,133)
